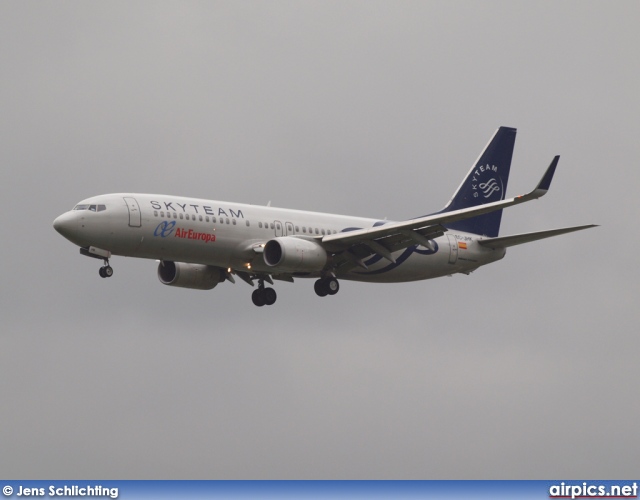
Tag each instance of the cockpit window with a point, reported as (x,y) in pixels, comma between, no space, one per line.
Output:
(91,208)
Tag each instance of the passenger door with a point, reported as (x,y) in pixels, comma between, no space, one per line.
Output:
(453,249)
(135,219)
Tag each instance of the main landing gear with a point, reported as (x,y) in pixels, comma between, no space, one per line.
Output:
(263,296)
(326,286)
(106,271)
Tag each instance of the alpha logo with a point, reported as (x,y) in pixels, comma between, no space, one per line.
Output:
(165,229)
(488,188)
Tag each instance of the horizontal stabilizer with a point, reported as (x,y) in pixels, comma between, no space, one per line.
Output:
(518,239)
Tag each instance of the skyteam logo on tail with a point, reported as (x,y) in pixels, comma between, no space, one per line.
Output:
(488,187)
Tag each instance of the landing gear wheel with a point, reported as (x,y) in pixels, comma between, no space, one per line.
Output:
(332,286)
(320,288)
(263,296)
(258,298)
(326,286)
(106,272)
(270,296)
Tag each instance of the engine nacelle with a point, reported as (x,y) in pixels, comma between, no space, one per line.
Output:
(290,254)
(198,276)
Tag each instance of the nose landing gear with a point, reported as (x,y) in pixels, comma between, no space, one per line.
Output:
(106,271)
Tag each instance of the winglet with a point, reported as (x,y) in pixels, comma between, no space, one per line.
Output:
(545,182)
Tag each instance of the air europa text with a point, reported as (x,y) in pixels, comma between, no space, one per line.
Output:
(193,235)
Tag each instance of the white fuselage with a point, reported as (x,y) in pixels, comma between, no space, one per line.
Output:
(231,236)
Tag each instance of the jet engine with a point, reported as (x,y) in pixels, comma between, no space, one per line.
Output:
(289,254)
(198,276)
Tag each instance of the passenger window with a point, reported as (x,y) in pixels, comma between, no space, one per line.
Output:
(181,216)
(155,213)
(272,225)
(260,225)
(297,229)
(175,215)
(213,219)
(323,232)
(227,221)
(200,218)
(317,232)
(247,223)
(207,218)
(234,222)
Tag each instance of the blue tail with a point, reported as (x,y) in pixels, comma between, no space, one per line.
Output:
(486,182)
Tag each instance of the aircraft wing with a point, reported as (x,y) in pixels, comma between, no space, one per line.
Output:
(385,239)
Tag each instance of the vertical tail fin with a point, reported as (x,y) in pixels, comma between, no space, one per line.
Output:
(486,182)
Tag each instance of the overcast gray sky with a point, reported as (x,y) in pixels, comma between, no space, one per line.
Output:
(528,368)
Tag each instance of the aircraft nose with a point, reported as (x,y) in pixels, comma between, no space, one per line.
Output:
(66,225)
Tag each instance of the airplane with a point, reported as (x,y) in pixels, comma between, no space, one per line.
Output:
(201,243)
